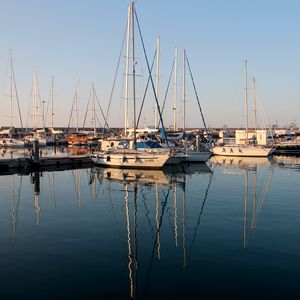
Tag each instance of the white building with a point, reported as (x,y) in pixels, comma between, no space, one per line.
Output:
(260,136)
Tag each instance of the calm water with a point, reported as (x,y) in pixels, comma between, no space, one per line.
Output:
(228,229)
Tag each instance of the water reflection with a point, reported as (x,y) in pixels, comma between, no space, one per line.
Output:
(288,162)
(35,180)
(163,183)
(153,218)
(15,194)
(49,151)
(257,202)
(242,162)
(249,168)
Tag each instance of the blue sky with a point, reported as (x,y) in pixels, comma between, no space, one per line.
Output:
(81,39)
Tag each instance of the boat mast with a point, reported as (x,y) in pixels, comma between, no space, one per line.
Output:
(94,110)
(254,98)
(133,77)
(77,102)
(11,91)
(34,100)
(157,80)
(184,88)
(127,71)
(175,90)
(246,100)
(13,85)
(52,113)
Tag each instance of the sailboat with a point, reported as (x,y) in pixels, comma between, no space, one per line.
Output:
(37,134)
(247,149)
(131,158)
(7,136)
(198,153)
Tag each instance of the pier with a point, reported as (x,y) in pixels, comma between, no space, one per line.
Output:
(36,162)
(45,163)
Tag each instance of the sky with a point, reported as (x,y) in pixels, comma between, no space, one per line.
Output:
(72,40)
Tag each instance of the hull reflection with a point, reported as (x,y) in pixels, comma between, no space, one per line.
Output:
(131,175)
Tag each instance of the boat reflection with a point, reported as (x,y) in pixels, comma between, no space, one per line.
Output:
(48,151)
(164,187)
(241,162)
(130,175)
(289,162)
(15,193)
(35,180)
(155,204)
(256,186)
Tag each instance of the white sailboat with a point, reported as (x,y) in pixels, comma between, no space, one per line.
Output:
(7,138)
(246,149)
(131,158)
(198,153)
(38,135)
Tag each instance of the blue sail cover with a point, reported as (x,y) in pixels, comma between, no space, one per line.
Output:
(147,144)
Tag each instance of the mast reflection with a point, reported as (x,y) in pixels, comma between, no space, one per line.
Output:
(249,166)
(159,186)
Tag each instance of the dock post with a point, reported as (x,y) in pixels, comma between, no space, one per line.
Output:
(36,151)
(197,142)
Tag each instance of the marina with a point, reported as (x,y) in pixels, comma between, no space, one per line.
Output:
(149,150)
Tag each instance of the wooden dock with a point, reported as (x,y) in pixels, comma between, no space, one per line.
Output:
(28,164)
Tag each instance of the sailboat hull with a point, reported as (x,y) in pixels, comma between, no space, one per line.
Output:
(12,143)
(42,141)
(130,159)
(240,150)
(198,156)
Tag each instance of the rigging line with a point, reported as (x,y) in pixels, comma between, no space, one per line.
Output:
(41,106)
(267,120)
(167,90)
(71,113)
(13,206)
(49,99)
(115,77)
(262,197)
(200,215)
(195,90)
(164,135)
(169,216)
(145,93)
(87,107)
(18,201)
(147,212)
(164,204)
(98,120)
(16,91)
(114,215)
(47,108)
(102,113)
(29,107)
